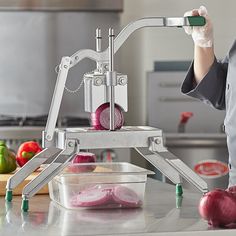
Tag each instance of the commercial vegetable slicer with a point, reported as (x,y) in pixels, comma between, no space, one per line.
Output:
(101,86)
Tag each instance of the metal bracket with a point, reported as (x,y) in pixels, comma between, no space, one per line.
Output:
(156,144)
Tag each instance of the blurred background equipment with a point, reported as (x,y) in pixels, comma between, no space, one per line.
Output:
(34,36)
(195,136)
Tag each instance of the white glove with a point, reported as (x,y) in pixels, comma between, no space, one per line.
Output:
(202,35)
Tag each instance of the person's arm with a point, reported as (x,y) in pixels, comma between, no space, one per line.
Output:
(206,77)
(203,60)
(203,44)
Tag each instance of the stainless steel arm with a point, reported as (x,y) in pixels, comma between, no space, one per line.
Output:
(57,97)
(132,27)
(58,163)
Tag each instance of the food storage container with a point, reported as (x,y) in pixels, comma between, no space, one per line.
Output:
(99,186)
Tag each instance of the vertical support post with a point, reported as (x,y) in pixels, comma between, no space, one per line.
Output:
(112,87)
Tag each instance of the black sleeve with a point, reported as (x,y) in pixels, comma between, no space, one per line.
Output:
(211,89)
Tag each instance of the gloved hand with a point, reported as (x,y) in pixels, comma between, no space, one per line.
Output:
(202,35)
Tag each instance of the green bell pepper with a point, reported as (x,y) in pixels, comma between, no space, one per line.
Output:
(7,159)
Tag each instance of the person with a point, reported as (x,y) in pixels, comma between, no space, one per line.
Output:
(213,81)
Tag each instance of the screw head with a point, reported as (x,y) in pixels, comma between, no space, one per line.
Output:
(157,141)
(98,81)
(48,136)
(122,81)
(71,144)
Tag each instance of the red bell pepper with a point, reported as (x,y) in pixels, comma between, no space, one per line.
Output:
(26,151)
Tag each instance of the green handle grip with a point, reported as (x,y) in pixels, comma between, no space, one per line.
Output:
(196,20)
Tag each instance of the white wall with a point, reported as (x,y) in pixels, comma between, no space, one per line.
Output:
(149,45)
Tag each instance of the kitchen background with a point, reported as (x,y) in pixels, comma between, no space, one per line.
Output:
(34,35)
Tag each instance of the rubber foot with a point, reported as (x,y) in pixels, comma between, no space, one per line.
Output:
(25,205)
(179,190)
(8,196)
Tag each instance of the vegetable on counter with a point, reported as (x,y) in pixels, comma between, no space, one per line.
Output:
(218,207)
(83,157)
(26,151)
(7,159)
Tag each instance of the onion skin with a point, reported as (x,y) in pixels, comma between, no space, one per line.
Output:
(218,207)
(232,190)
(101,118)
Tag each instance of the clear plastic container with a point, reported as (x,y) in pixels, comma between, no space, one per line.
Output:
(99,186)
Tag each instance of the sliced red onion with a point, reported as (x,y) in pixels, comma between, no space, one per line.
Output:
(101,118)
(126,196)
(106,196)
(91,198)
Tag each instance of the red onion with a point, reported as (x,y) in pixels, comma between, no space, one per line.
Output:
(232,190)
(218,207)
(83,157)
(101,118)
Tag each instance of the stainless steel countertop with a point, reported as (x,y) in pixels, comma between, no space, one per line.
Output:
(159,216)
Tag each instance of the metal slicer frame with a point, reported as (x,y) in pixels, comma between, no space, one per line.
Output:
(102,85)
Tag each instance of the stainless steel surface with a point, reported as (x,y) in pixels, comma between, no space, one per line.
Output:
(62,5)
(160,164)
(20,133)
(159,216)
(126,137)
(96,92)
(195,148)
(195,140)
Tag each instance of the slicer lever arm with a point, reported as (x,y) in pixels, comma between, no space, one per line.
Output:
(138,24)
(68,62)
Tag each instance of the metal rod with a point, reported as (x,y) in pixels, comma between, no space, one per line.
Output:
(111,69)
(98,45)
(98,40)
